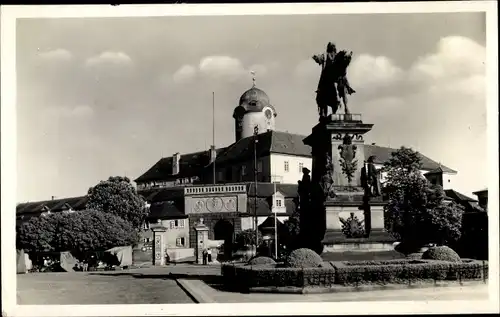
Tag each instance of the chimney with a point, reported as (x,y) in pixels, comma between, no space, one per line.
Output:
(175,163)
(213,153)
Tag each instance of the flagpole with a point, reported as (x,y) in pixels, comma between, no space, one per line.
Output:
(213,132)
(275,224)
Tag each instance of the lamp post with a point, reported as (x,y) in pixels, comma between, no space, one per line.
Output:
(255,133)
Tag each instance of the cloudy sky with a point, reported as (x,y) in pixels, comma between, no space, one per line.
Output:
(110,96)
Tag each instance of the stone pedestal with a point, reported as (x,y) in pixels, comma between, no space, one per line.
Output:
(335,213)
(377,217)
(159,249)
(201,234)
(338,160)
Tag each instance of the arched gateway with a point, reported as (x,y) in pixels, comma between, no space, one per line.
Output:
(224,230)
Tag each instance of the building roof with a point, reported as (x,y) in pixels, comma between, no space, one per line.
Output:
(167,209)
(76,203)
(438,170)
(263,207)
(269,223)
(268,142)
(458,196)
(482,191)
(190,165)
(267,190)
(383,154)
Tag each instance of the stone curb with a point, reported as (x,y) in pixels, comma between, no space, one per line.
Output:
(198,296)
(361,288)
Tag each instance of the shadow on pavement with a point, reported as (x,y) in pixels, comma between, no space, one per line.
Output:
(213,280)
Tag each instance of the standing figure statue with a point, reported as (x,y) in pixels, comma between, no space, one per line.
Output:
(370,178)
(333,86)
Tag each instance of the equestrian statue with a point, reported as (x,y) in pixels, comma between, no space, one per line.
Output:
(333,86)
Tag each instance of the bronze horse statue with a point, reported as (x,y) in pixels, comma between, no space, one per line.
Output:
(333,86)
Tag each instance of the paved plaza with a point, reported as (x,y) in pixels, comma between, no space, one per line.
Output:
(99,288)
(187,284)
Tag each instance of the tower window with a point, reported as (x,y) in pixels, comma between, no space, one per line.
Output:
(259,167)
(287,167)
(301,166)
(243,170)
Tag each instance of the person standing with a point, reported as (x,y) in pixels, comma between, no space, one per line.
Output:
(209,255)
(205,256)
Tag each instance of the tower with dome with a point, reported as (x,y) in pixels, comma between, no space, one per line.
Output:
(254,110)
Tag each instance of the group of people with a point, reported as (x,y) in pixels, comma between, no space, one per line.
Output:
(207,256)
(81,266)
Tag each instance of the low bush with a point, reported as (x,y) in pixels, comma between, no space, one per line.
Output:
(406,273)
(441,253)
(303,258)
(258,276)
(261,260)
(387,262)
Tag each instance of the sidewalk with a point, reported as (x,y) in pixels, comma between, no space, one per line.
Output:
(203,293)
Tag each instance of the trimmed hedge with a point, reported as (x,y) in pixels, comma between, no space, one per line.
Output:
(406,273)
(261,260)
(384,272)
(386,262)
(258,276)
(303,258)
(441,253)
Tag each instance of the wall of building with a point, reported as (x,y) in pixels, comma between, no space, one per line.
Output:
(294,172)
(176,236)
(252,119)
(447,178)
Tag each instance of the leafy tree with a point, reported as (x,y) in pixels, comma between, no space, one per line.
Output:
(246,238)
(289,234)
(78,232)
(416,213)
(117,196)
(37,235)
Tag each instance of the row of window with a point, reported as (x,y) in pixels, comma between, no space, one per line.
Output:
(173,224)
(287,166)
(179,242)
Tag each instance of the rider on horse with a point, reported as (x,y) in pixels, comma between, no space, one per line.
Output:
(333,84)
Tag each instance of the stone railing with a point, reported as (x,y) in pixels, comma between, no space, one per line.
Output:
(214,189)
(346,117)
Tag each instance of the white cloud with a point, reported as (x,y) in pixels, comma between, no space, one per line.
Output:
(56,54)
(114,58)
(222,67)
(456,56)
(184,74)
(372,72)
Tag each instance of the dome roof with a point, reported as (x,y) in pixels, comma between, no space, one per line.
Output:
(254,99)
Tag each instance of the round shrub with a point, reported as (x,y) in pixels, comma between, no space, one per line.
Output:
(442,253)
(261,260)
(303,258)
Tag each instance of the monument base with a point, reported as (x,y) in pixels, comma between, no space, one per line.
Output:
(378,240)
